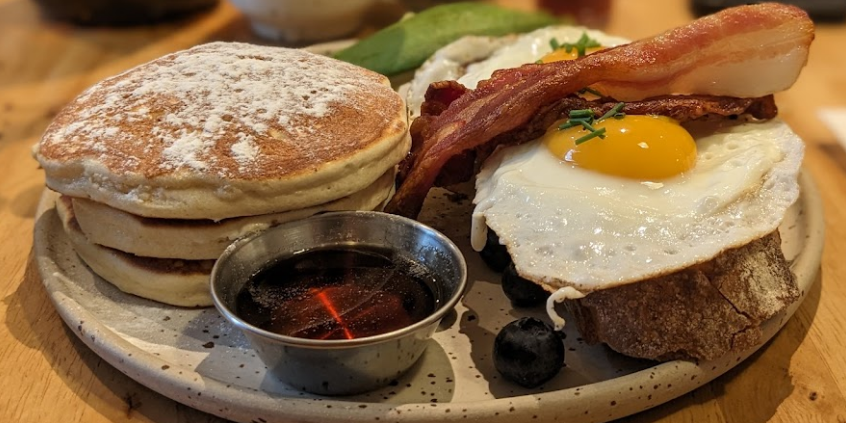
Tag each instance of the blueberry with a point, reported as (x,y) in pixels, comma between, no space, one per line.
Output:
(495,254)
(521,292)
(528,352)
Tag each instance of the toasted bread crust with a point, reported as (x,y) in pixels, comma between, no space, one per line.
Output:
(702,312)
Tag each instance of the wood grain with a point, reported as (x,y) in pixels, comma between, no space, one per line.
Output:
(50,376)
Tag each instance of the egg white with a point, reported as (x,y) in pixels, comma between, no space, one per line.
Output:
(474,58)
(567,226)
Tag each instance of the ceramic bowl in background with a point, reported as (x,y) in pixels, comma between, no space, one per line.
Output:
(121,12)
(300,21)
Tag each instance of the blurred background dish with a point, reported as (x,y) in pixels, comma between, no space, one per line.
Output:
(121,12)
(818,10)
(297,21)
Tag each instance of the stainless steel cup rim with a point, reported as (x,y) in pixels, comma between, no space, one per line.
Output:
(438,314)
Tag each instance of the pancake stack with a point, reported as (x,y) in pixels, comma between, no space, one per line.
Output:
(161,167)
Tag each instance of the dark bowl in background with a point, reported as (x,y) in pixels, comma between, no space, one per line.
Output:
(121,12)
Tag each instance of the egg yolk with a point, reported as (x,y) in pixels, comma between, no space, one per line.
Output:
(637,147)
(562,54)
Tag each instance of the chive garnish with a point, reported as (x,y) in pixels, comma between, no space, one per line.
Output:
(581,45)
(614,111)
(597,133)
(585,119)
(591,90)
(583,113)
(581,117)
(569,124)
(588,126)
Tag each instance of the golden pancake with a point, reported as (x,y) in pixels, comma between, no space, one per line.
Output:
(226,130)
(202,239)
(171,281)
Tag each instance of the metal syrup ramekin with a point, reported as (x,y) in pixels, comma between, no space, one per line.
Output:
(340,367)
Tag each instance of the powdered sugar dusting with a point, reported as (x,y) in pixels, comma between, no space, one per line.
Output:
(215,108)
(185,150)
(245,150)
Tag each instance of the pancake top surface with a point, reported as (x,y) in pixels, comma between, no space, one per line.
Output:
(230,109)
(217,115)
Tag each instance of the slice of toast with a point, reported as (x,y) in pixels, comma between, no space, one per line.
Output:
(701,312)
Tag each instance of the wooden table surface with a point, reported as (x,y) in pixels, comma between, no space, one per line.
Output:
(48,375)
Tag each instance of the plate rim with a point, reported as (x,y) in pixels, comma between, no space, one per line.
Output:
(239,403)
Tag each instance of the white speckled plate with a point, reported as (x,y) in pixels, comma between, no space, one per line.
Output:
(193,356)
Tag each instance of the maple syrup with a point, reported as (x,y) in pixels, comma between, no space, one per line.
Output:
(339,293)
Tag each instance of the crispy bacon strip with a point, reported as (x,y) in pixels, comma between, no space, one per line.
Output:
(438,97)
(683,108)
(746,51)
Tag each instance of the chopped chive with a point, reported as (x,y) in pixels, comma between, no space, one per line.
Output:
(614,110)
(588,42)
(585,118)
(580,45)
(588,126)
(597,133)
(592,91)
(581,113)
(574,122)
(571,123)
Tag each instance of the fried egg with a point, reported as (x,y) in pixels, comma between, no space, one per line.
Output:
(568,225)
(474,58)
(649,198)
